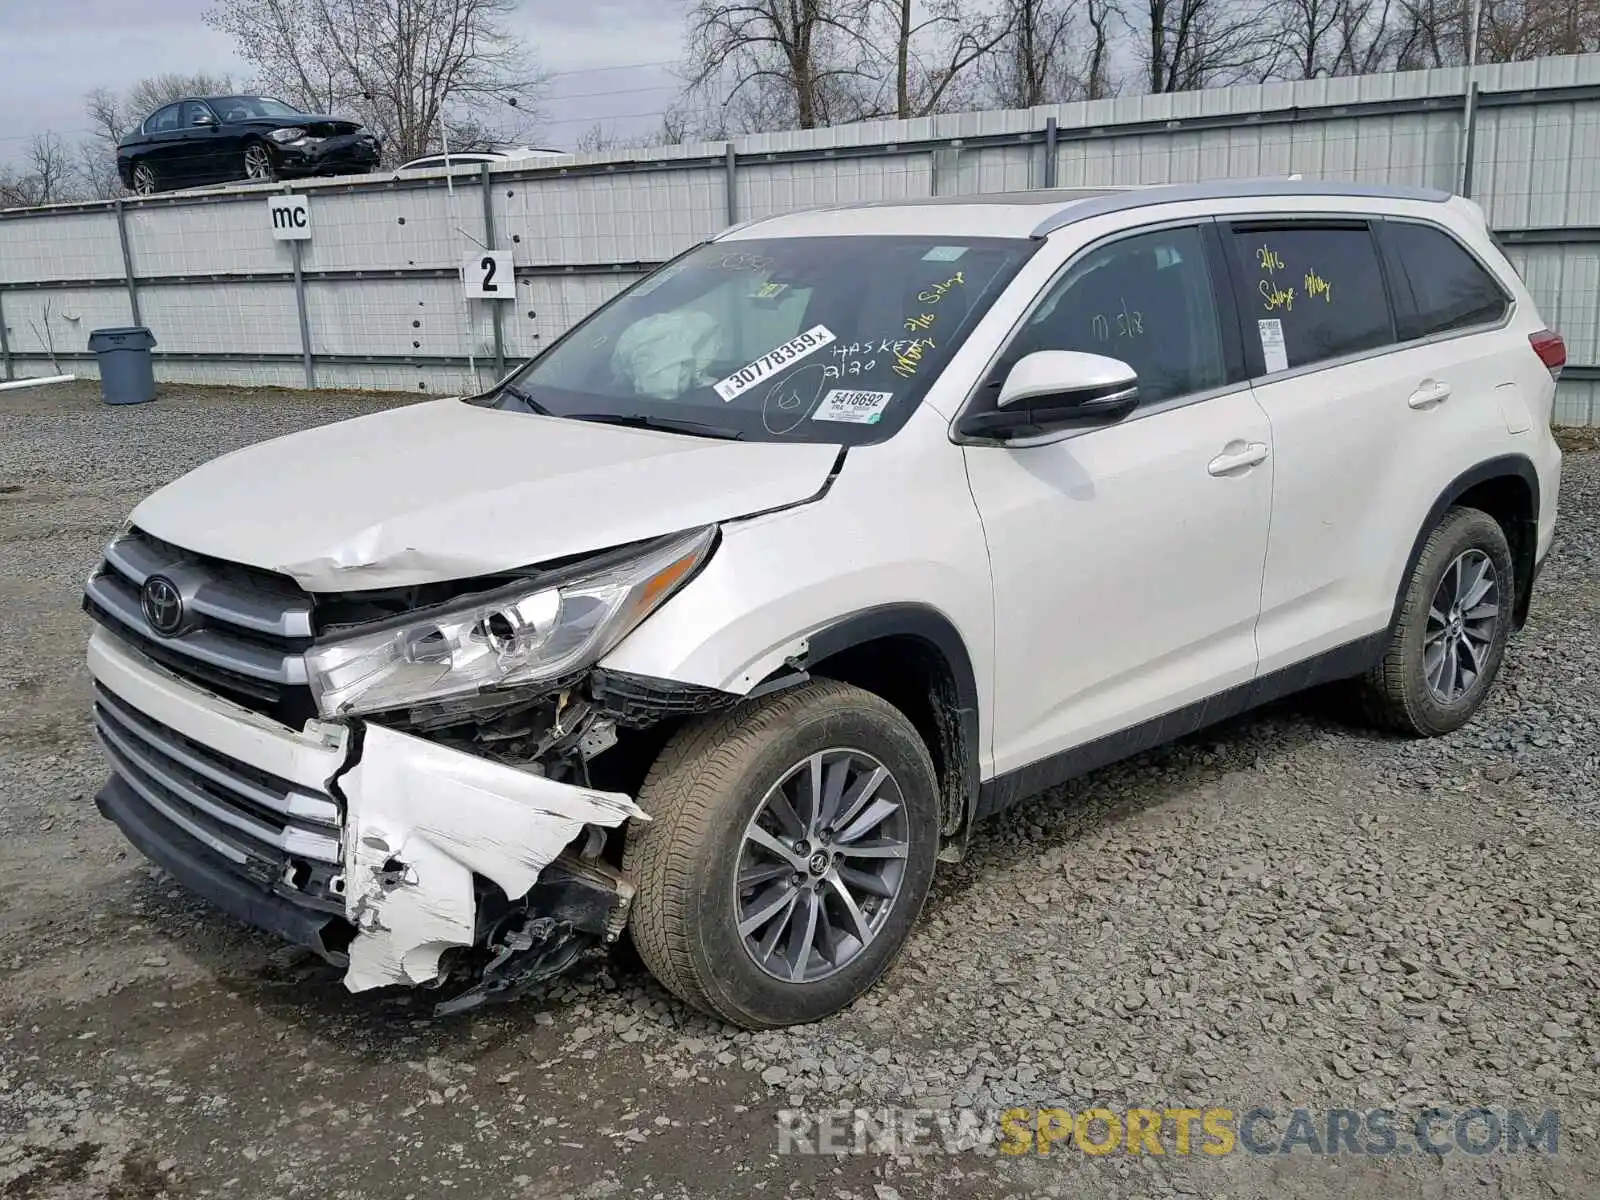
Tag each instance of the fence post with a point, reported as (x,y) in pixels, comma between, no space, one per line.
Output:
(127,263)
(496,307)
(1470,144)
(5,342)
(730,167)
(300,303)
(1049,152)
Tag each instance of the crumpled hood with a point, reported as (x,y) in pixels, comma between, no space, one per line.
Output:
(445,490)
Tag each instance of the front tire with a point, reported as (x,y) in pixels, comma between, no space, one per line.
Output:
(1446,646)
(145,181)
(791,845)
(258,164)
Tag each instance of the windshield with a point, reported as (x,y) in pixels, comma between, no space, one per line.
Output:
(250,108)
(826,339)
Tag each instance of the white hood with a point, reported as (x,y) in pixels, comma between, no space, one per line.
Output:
(446,490)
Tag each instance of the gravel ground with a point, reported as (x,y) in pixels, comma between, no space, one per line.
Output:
(1286,911)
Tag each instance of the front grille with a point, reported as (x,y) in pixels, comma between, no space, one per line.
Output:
(243,635)
(271,830)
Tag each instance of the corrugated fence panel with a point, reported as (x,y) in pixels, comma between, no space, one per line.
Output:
(381,269)
(65,246)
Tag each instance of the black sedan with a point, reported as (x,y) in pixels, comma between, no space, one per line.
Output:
(222,139)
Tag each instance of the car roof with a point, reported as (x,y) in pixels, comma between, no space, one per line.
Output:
(1041,212)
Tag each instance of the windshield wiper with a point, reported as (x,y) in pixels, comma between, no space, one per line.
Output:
(666,424)
(526,400)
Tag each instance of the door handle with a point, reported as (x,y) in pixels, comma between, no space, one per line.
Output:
(1227,462)
(1429,393)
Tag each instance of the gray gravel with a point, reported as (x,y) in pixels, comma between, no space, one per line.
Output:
(1284,911)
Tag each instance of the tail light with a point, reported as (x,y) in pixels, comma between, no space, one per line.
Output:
(1552,351)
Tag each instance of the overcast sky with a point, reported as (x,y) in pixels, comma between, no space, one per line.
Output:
(53,51)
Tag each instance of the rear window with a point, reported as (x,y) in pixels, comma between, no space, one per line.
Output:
(1450,288)
(1310,292)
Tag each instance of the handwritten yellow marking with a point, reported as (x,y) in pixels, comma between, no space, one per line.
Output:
(1316,286)
(1274,297)
(939,291)
(1267,259)
(905,365)
(925,321)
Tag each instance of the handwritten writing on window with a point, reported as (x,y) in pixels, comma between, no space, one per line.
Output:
(1316,286)
(1125,323)
(938,291)
(1268,260)
(921,322)
(905,365)
(1274,297)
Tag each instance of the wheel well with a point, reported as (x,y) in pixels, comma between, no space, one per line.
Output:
(1510,501)
(912,674)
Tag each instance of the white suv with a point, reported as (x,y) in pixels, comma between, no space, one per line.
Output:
(726,617)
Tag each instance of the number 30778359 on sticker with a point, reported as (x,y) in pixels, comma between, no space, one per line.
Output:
(858,408)
(773,361)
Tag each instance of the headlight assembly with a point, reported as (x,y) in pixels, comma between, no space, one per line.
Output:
(284,136)
(520,634)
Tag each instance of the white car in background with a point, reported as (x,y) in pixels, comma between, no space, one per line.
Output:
(432,162)
(725,618)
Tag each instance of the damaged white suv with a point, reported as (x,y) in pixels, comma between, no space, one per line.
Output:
(722,620)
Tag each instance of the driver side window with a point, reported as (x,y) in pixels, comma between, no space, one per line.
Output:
(1146,300)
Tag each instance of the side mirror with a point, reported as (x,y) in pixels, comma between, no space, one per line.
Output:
(205,119)
(1053,390)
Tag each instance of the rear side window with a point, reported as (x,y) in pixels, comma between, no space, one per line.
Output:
(1309,293)
(1449,287)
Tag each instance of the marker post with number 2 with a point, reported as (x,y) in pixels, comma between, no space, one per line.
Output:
(487,275)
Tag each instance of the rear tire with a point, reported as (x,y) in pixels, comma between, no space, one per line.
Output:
(1446,646)
(145,180)
(734,835)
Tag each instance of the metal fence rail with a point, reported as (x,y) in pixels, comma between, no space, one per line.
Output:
(375,299)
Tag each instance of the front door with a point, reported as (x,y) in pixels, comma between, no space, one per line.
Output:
(1127,559)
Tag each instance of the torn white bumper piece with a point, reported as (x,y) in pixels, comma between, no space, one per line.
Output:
(421,820)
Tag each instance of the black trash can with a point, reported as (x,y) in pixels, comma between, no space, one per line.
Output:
(127,375)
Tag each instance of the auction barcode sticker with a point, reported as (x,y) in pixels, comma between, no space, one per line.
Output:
(859,408)
(773,361)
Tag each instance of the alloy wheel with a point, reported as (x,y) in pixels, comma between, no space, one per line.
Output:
(258,164)
(1462,621)
(144,182)
(821,865)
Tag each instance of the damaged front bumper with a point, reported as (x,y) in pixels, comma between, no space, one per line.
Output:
(379,850)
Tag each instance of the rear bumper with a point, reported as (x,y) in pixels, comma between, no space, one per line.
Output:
(224,799)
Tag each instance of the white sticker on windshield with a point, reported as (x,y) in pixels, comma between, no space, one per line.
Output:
(770,363)
(858,408)
(944,254)
(1272,347)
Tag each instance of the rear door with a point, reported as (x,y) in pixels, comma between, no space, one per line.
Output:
(1370,418)
(164,148)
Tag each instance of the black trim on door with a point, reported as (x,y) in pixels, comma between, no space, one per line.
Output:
(1225,298)
(1342,662)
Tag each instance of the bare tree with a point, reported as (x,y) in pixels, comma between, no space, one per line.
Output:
(1052,51)
(46,175)
(768,63)
(403,66)
(936,46)
(1194,44)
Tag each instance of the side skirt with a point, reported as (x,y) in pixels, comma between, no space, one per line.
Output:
(1343,662)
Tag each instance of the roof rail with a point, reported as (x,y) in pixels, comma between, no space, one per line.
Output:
(1226,189)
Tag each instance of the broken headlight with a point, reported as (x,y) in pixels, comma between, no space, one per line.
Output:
(520,634)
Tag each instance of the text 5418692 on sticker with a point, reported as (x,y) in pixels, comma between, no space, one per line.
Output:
(857,408)
(772,362)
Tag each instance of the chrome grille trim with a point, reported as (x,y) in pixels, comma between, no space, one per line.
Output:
(276,613)
(118,599)
(159,767)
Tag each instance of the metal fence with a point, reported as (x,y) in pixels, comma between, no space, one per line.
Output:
(375,299)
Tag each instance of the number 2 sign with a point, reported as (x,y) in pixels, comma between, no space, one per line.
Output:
(487,275)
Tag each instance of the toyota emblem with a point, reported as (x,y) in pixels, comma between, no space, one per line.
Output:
(162,605)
